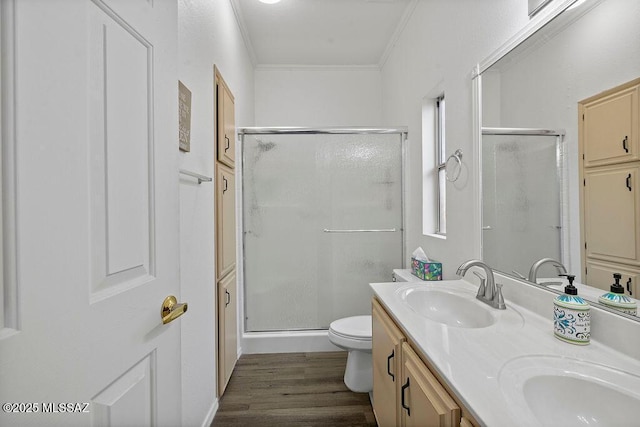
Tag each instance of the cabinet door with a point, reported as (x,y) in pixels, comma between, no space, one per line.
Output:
(227,330)
(386,348)
(424,402)
(226,127)
(225,221)
(610,127)
(600,275)
(611,220)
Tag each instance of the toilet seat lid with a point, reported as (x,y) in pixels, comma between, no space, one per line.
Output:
(358,327)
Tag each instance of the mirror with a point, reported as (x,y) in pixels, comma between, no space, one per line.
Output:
(531,185)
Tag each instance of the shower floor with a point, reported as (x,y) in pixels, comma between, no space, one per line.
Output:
(292,389)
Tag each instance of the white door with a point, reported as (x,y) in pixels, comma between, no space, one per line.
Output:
(90,150)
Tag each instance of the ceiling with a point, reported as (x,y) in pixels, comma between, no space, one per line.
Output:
(321,32)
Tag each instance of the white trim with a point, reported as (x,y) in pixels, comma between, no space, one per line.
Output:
(402,24)
(476,117)
(237,11)
(211,414)
(10,311)
(539,21)
(286,342)
(301,67)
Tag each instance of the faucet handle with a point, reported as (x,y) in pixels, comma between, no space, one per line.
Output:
(483,283)
(499,299)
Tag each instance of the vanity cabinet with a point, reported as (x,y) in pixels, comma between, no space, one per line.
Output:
(225,119)
(610,122)
(387,342)
(423,399)
(406,391)
(609,150)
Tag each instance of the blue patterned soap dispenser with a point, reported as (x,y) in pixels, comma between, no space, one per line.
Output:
(571,316)
(617,300)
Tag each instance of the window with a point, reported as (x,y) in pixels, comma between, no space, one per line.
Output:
(441,189)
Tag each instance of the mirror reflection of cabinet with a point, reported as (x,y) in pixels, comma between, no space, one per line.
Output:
(610,196)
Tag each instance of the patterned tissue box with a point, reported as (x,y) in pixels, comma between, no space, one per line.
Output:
(426,270)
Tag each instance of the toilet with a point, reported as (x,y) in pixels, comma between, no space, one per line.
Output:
(354,335)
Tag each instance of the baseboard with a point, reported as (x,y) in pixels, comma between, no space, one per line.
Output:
(212,413)
(286,342)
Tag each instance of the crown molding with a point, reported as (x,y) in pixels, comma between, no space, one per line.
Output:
(404,20)
(237,11)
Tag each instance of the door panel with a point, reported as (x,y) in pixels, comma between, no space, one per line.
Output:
(96,191)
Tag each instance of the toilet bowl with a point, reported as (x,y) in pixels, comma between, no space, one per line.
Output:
(354,335)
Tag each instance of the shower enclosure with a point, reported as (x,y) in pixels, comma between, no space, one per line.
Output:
(322,218)
(522,208)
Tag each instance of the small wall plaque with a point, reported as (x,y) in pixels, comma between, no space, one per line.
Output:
(184,114)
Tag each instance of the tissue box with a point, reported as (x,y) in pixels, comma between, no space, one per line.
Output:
(431,270)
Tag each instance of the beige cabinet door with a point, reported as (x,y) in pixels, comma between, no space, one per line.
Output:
(386,348)
(611,220)
(610,127)
(227,330)
(226,131)
(600,275)
(225,221)
(424,402)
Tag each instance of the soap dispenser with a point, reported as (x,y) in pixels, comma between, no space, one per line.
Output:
(617,300)
(571,316)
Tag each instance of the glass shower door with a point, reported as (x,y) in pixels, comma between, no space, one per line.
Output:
(521,201)
(322,219)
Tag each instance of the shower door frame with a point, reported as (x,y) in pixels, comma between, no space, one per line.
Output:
(561,179)
(402,131)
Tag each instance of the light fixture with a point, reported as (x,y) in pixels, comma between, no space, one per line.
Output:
(270,1)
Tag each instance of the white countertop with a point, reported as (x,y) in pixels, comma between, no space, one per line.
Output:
(470,359)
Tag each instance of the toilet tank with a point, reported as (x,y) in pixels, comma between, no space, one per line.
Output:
(404,275)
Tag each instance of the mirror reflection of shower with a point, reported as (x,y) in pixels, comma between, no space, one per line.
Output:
(522,209)
(322,218)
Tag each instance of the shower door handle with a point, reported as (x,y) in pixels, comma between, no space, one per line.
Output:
(383,230)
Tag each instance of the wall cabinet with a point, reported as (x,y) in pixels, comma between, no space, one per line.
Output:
(225,119)
(612,213)
(602,273)
(227,339)
(406,392)
(611,126)
(226,221)
(609,151)
(227,329)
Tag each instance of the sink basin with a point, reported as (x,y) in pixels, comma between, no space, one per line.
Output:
(553,391)
(450,307)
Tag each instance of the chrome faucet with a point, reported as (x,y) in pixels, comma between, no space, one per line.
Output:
(489,292)
(533,273)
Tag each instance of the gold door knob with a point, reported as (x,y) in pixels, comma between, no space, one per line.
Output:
(171,310)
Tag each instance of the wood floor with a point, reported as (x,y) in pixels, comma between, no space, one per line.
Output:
(293,389)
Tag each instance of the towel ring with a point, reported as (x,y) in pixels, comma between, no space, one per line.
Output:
(457,156)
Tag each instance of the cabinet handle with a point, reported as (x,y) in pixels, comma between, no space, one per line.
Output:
(404,387)
(629,286)
(625,143)
(393,378)
(227,143)
(227,297)
(629,182)
(224,190)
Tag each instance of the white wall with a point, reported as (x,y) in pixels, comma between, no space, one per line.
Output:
(440,45)
(208,35)
(318,97)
